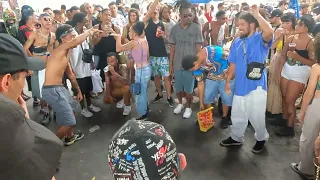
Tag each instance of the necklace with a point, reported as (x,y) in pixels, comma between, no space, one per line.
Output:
(43,35)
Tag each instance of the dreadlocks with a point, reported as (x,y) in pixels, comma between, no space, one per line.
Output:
(182,4)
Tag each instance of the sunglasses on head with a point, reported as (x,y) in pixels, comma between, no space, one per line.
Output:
(67,33)
(187,15)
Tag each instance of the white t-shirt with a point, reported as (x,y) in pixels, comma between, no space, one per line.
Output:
(119,21)
(231,15)
(80,68)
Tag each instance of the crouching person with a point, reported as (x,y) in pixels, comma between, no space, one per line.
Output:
(117,84)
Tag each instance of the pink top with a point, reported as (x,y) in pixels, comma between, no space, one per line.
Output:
(140,54)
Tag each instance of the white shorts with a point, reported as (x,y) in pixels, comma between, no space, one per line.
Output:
(296,73)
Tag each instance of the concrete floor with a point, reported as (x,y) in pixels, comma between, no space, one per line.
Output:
(207,160)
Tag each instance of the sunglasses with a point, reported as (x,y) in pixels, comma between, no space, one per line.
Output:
(187,15)
(47,19)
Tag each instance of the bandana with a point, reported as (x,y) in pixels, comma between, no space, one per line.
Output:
(12,29)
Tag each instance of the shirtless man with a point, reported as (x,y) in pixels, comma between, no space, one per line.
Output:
(216,32)
(53,91)
(42,41)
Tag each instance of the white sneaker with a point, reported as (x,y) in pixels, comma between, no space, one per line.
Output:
(94,108)
(120,104)
(184,101)
(126,110)
(195,99)
(86,113)
(178,109)
(187,113)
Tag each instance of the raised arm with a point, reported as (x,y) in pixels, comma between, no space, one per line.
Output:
(79,39)
(267,31)
(125,47)
(151,10)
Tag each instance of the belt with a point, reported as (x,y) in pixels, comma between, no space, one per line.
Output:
(216,77)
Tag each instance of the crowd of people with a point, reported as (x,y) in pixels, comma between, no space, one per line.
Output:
(256,61)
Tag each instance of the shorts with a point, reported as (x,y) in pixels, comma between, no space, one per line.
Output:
(296,73)
(85,85)
(160,66)
(183,81)
(212,88)
(59,98)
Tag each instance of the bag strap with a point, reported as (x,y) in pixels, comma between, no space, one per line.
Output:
(141,57)
(244,50)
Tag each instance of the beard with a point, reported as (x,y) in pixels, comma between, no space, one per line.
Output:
(243,36)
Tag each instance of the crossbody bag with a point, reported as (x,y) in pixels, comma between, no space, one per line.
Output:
(254,69)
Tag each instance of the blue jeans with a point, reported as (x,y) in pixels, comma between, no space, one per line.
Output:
(143,76)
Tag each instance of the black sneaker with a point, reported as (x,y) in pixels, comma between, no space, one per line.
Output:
(170,102)
(230,142)
(36,102)
(285,131)
(224,123)
(295,168)
(78,136)
(258,148)
(45,119)
(143,118)
(158,98)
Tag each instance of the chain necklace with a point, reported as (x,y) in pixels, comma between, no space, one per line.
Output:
(43,35)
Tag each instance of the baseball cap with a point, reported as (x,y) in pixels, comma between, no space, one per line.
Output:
(142,150)
(276,13)
(13,57)
(28,149)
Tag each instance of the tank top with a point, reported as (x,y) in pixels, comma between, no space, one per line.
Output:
(156,44)
(106,45)
(140,54)
(280,45)
(303,53)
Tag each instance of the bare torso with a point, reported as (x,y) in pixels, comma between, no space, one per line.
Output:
(56,66)
(214,33)
(41,45)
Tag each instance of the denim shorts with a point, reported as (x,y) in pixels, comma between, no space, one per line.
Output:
(160,66)
(59,98)
(183,81)
(212,88)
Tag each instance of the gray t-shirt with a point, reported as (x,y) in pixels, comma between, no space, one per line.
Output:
(185,41)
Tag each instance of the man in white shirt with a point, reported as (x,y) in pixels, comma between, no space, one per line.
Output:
(82,67)
(231,15)
(116,18)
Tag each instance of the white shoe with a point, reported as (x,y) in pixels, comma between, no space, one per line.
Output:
(184,101)
(187,113)
(86,113)
(178,109)
(94,108)
(120,104)
(195,99)
(126,110)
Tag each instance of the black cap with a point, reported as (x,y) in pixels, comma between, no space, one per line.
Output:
(13,57)
(276,13)
(28,149)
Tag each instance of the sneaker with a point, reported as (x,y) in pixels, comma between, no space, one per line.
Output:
(170,102)
(158,98)
(184,100)
(42,111)
(178,109)
(36,102)
(126,110)
(224,123)
(69,141)
(94,108)
(195,99)
(230,142)
(187,113)
(142,118)
(120,104)
(258,147)
(46,119)
(285,131)
(78,136)
(86,113)
(295,168)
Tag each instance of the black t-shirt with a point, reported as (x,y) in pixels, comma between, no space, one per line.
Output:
(156,44)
